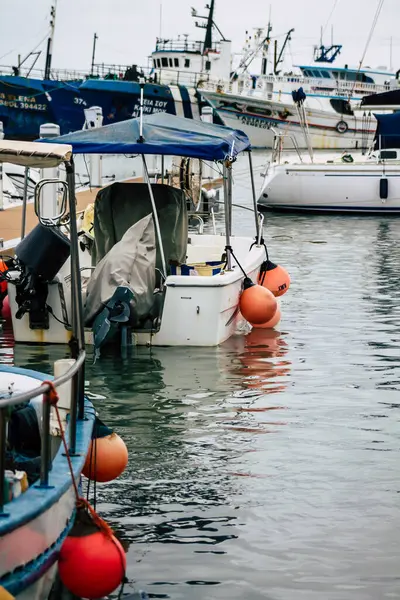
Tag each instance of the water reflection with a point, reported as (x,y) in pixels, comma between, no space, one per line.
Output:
(268,468)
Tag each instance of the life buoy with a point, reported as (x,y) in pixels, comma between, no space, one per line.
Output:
(342,127)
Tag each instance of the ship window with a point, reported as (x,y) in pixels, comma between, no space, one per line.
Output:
(158,63)
(258,110)
(187,63)
(316,73)
(208,65)
(326,74)
(385,154)
(171,64)
(176,62)
(164,61)
(341,106)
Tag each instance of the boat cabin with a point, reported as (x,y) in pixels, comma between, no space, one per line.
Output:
(185,62)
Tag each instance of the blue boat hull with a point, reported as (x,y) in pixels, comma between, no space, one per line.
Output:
(26,104)
(34,526)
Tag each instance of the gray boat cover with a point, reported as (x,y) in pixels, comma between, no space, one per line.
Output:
(120,205)
(131,262)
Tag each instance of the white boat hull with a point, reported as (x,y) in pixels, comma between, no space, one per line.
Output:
(327,188)
(261,118)
(198,310)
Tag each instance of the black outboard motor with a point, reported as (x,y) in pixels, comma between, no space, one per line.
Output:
(40,255)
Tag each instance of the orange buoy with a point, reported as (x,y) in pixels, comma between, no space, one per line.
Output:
(274,277)
(272,322)
(106,459)
(92,566)
(257,304)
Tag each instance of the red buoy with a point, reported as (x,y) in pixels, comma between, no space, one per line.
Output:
(257,304)
(92,566)
(106,459)
(6,310)
(3,283)
(272,322)
(274,277)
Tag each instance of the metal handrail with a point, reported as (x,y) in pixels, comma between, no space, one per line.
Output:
(75,373)
(5,404)
(44,388)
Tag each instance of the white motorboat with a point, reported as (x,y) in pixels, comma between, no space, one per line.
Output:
(192,283)
(353,184)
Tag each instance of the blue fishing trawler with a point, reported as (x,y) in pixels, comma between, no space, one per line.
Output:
(177,68)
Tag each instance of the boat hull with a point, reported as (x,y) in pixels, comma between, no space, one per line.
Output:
(34,526)
(261,119)
(332,188)
(198,310)
(26,104)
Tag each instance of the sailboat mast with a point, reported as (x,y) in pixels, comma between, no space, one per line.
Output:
(209,26)
(49,52)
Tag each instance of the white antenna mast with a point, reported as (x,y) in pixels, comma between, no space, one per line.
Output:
(160,20)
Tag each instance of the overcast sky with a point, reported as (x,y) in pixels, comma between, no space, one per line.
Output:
(127,29)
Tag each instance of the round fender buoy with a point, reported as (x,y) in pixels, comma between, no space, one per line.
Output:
(341,127)
(274,277)
(257,304)
(6,310)
(272,322)
(92,566)
(106,459)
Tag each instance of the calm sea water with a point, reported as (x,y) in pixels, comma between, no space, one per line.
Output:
(267,468)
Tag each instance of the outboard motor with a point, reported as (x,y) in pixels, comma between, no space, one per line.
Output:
(40,256)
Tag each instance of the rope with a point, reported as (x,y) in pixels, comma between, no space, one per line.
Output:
(52,397)
(374,22)
(329,18)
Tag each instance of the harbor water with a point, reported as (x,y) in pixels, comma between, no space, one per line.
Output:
(267,468)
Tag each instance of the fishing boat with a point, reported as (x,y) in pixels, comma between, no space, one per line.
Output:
(37,493)
(185,288)
(353,183)
(31,97)
(263,103)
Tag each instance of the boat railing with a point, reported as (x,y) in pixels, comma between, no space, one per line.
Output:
(324,87)
(185,45)
(36,73)
(73,374)
(278,146)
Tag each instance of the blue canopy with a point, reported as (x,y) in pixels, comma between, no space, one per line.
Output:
(387,133)
(162,134)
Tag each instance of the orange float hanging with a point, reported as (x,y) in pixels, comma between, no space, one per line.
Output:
(92,562)
(272,322)
(274,277)
(106,459)
(3,284)
(5,311)
(257,304)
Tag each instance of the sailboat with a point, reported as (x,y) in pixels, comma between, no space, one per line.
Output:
(364,184)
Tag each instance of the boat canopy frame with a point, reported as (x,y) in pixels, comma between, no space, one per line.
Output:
(38,155)
(168,135)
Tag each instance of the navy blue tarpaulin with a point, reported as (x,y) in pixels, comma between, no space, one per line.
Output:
(162,134)
(387,133)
